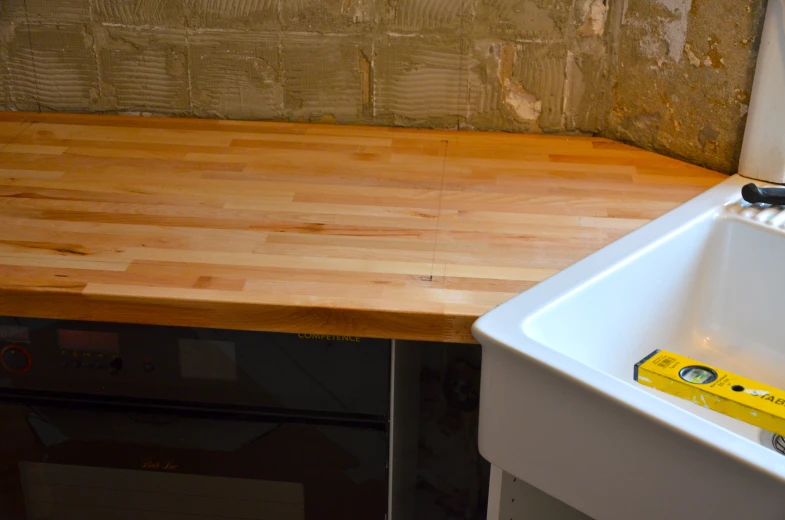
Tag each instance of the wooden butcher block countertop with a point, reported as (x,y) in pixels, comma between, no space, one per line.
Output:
(337,230)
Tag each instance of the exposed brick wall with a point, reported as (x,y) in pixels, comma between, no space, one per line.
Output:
(670,75)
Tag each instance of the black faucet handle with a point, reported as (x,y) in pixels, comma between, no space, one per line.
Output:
(752,193)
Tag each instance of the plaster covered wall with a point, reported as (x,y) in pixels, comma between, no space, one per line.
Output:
(684,71)
(671,75)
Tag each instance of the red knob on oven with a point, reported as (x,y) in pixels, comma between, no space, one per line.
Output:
(15,358)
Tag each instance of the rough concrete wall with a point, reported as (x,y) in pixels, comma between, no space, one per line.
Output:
(522,65)
(684,76)
(669,75)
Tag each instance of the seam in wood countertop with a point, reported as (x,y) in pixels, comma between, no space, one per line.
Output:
(439,211)
(18,134)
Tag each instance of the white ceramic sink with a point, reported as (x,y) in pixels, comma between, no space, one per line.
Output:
(560,408)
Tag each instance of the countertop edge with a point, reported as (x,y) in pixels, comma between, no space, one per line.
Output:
(266,317)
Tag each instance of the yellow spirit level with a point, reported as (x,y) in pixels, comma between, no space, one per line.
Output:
(738,397)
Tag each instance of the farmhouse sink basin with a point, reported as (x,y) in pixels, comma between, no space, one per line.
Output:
(559,406)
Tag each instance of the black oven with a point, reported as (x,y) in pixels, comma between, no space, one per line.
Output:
(132,422)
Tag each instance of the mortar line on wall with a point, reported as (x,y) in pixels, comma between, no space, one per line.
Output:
(229,30)
(373,78)
(281,75)
(473,13)
(5,65)
(461,61)
(188,71)
(32,59)
(566,89)
(536,40)
(98,70)
(616,17)
(316,33)
(404,35)
(43,23)
(460,83)
(571,15)
(143,27)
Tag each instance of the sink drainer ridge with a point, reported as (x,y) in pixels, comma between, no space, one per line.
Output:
(772,216)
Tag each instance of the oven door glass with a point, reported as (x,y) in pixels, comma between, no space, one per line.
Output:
(91,462)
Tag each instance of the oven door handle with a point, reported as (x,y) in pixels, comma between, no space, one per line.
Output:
(128,405)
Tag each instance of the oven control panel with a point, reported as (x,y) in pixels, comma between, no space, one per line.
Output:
(14,352)
(308,372)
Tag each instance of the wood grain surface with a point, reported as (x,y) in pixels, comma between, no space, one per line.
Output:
(348,230)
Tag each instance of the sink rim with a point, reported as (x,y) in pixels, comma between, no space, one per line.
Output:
(505,326)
